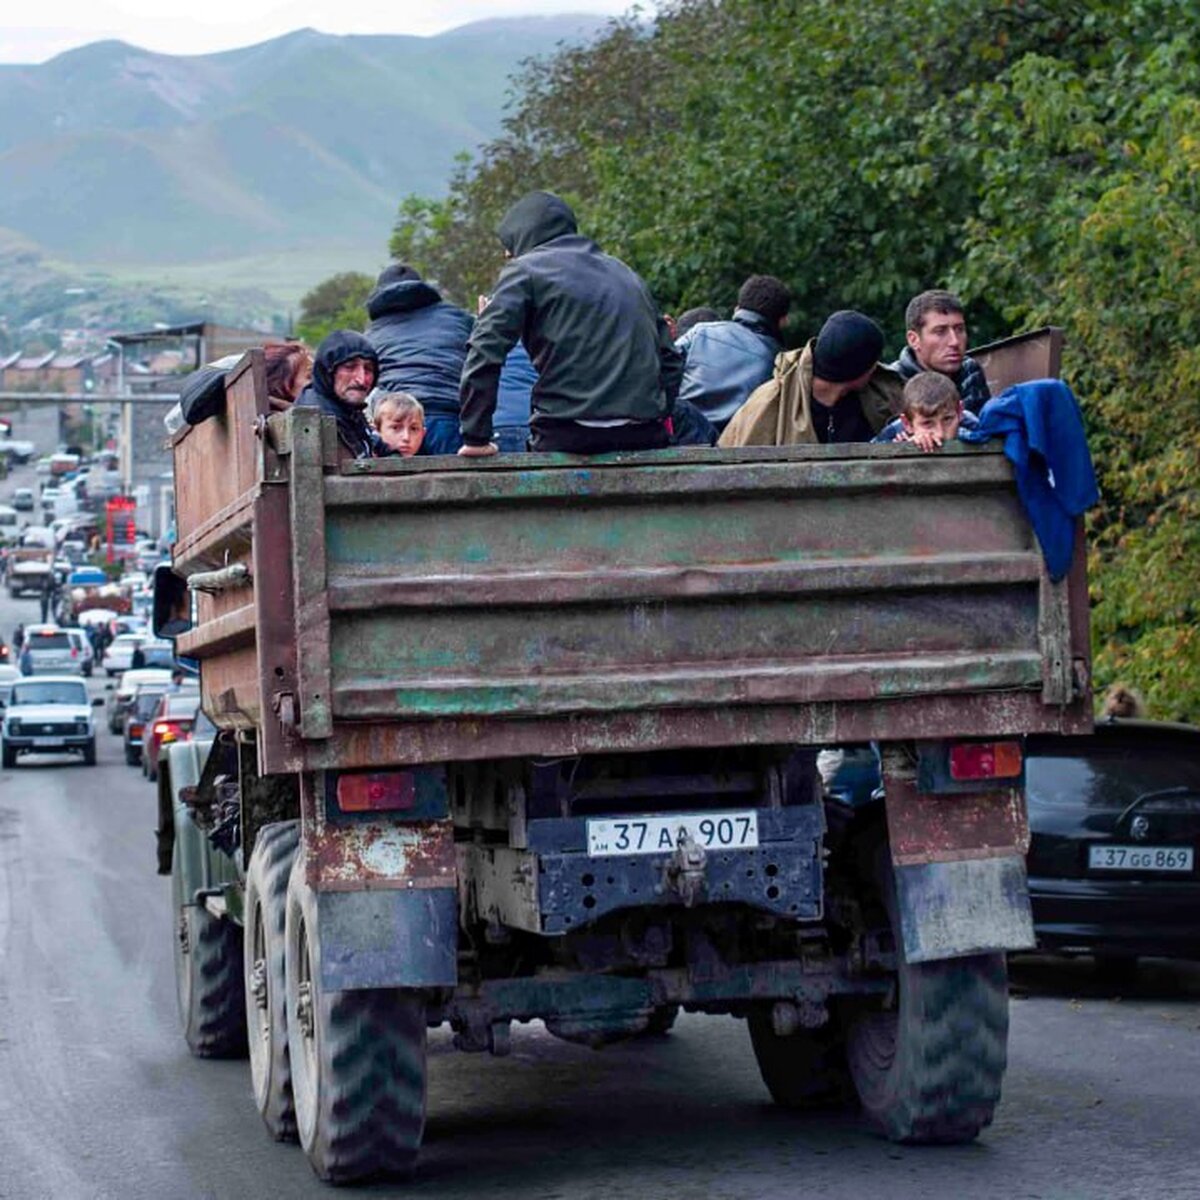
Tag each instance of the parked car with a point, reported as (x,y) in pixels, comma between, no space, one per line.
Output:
(119,655)
(1115,824)
(172,721)
(142,707)
(120,695)
(22,499)
(48,714)
(51,652)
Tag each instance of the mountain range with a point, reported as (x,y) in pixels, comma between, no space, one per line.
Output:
(116,158)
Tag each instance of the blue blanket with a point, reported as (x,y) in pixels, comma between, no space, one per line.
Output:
(1044,439)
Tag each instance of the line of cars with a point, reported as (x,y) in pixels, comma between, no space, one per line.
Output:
(45,708)
(150,711)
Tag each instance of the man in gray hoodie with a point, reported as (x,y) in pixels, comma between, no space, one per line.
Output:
(608,371)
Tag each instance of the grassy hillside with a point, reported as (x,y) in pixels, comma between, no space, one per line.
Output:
(118,157)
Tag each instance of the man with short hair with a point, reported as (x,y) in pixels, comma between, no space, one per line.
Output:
(345,368)
(726,360)
(833,390)
(937,341)
(607,369)
(421,341)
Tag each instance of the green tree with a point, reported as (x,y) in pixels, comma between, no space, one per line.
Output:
(1039,156)
(338,302)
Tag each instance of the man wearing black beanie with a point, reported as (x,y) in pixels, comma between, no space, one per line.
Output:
(833,390)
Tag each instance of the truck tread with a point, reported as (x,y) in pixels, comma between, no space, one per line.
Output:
(359,1082)
(270,1062)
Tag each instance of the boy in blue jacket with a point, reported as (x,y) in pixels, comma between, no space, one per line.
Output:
(932,413)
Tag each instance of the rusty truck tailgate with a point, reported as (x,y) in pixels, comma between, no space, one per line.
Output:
(430,609)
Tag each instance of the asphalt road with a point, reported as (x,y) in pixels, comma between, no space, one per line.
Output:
(99,1097)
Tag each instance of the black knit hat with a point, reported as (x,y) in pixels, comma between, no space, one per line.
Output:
(848,346)
(397,273)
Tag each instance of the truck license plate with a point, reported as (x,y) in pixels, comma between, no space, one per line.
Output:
(1140,858)
(46,743)
(661,835)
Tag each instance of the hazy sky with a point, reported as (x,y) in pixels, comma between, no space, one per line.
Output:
(48,27)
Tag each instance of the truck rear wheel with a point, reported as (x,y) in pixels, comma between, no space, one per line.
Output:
(265,976)
(357,1058)
(804,1070)
(929,1066)
(208,978)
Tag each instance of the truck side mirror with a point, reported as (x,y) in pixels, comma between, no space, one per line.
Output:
(172,603)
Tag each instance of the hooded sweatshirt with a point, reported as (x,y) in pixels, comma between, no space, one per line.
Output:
(339,347)
(420,339)
(600,346)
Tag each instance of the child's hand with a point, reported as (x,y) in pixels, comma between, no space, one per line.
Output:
(926,439)
(485,451)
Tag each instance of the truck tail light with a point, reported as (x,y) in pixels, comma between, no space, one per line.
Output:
(376,792)
(985,760)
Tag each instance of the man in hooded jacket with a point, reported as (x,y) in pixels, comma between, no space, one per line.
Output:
(345,368)
(608,370)
(421,341)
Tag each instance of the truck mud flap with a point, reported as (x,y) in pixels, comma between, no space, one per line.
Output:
(974,906)
(388,938)
(959,862)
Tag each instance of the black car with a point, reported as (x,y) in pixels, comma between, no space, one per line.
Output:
(1115,823)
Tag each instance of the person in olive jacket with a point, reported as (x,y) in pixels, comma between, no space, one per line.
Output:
(608,371)
(421,341)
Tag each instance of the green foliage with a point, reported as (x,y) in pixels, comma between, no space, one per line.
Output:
(338,302)
(1042,157)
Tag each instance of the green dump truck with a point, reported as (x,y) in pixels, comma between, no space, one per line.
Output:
(534,737)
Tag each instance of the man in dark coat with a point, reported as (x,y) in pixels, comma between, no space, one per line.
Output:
(937,341)
(421,341)
(608,371)
(345,368)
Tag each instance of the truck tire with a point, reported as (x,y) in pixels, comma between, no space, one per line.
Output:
(928,1069)
(89,753)
(358,1061)
(806,1070)
(266,978)
(208,978)
(9,758)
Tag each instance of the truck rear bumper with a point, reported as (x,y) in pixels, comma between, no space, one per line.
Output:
(555,886)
